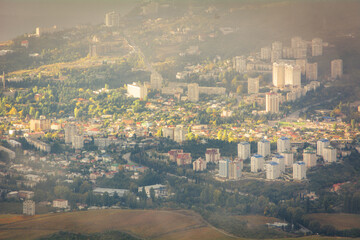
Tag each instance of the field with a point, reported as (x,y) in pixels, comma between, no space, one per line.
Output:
(340,221)
(147,224)
(254,221)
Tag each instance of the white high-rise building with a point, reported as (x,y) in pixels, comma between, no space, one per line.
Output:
(70,131)
(302,63)
(317,47)
(299,47)
(312,71)
(293,75)
(193,92)
(78,141)
(224,168)
(156,80)
(168,132)
(212,155)
(265,53)
(272,170)
(289,158)
(257,163)
(112,19)
(137,90)
(276,52)
(243,150)
(329,154)
(281,161)
(199,165)
(321,145)
(179,134)
(29,207)
(272,102)
(283,144)
(264,148)
(336,68)
(253,85)
(239,64)
(299,171)
(279,74)
(235,170)
(309,157)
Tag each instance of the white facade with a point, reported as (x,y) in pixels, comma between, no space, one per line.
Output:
(243,150)
(179,134)
(293,75)
(272,170)
(60,203)
(329,154)
(70,131)
(312,71)
(283,144)
(257,163)
(212,155)
(235,170)
(224,168)
(264,148)
(336,68)
(239,64)
(317,47)
(112,19)
(321,145)
(253,85)
(29,207)
(78,141)
(278,74)
(199,165)
(156,80)
(299,170)
(272,102)
(265,53)
(309,157)
(289,158)
(137,90)
(281,161)
(193,92)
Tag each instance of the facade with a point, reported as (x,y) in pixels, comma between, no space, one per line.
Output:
(137,90)
(264,148)
(253,85)
(40,125)
(299,170)
(289,158)
(173,154)
(29,207)
(272,170)
(292,75)
(179,134)
(317,47)
(329,154)
(193,92)
(272,102)
(183,159)
(276,52)
(309,157)
(312,71)
(257,163)
(299,47)
(321,145)
(281,161)
(199,165)
(239,64)
(60,203)
(40,145)
(243,150)
(78,141)
(212,90)
(336,68)
(235,170)
(212,155)
(302,63)
(265,53)
(156,80)
(112,19)
(70,131)
(283,144)
(159,190)
(168,132)
(279,74)
(10,153)
(224,168)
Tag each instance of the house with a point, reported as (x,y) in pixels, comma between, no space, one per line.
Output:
(60,203)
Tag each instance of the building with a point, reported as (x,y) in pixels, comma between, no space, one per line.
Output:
(212,155)
(183,159)
(78,141)
(40,124)
(60,203)
(235,170)
(160,190)
(299,47)
(253,85)
(276,52)
(321,145)
(299,170)
(137,90)
(302,63)
(243,150)
(272,102)
(289,158)
(29,207)
(263,148)
(173,154)
(112,19)
(265,53)
(199,165)
(293,75)
(309,157)
(329,154)
(168,132)
(281,161)
(224,168)
(283,144)
(156,80)
(70,131)
(239,64)
(257,163)
(272,170)
(336,68)
(212,90)
(317,47)
(9,152)
(279,74)
(179,134)
(193,92)
(311,71)
(39,145)
(110,191)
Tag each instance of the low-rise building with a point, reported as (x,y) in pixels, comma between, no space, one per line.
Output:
(160,190)
(60,203)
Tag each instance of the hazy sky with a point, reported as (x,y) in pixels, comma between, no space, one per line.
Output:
(23,16)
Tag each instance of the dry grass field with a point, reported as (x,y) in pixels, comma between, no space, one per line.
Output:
(340,221)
